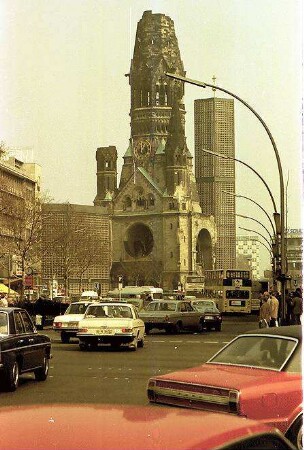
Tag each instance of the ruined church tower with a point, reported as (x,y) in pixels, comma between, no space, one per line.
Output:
(160,236)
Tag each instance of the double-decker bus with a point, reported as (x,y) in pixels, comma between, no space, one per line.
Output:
(230,288)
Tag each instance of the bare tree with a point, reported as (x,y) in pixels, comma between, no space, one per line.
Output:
(25,232)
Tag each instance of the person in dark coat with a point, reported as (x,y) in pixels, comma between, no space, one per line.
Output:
(297,306)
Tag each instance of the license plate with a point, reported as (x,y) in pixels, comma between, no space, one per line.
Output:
(103,331)
(209,317)
(236,303)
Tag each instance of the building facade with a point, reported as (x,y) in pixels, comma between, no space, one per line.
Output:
(19,203)
(160,233)
(214,131)
(248,254)
(76,249)
(294,247)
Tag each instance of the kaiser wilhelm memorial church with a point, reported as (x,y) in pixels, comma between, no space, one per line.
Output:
(160,234)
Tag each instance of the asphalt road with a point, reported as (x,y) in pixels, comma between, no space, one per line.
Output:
(119,376)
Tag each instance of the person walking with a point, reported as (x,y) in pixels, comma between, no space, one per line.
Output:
(3,300)
(274,310)
(264,316)
(297,307)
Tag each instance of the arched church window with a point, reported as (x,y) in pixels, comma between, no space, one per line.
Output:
(166,94)
(141,201)
(127,204)
(157,98)
(151,200)
(148,98)
(141,98)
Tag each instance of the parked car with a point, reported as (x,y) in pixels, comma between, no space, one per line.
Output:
(44,310)
(67,324)
(257,375)
(22,349)
(114,323)
(212,316)
(173,316)
(131,427)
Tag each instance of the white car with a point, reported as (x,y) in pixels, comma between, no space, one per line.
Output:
(67,324)
(113,323)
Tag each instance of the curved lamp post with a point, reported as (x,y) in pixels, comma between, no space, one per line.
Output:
(257,204)
(219,155)
(257,221)
(280,221)
(260,234)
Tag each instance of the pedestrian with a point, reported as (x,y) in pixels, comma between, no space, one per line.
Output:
(3,300)
(297,306)
(264,316)
(274,310)
(289,298)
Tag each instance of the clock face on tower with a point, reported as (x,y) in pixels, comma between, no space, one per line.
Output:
(142,149)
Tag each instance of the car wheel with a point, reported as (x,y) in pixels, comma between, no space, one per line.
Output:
(178,327)
(65,338)
(83,346)
(141,342)
(134,344)
(12,376)
(200,327)
(42,373)
(295,433)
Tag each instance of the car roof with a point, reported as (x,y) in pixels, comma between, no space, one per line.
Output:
(111,304)
(11,308)
(294,331)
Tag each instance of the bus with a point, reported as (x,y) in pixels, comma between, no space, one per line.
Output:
(230,288)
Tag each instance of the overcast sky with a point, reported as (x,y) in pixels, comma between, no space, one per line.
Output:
(64,93)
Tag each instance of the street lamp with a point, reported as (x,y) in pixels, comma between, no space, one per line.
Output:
(257,221)
(276,215)
(279,219)
(219,155)
(257,204)
(272,241)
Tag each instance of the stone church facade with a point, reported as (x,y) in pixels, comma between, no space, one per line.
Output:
(160,235)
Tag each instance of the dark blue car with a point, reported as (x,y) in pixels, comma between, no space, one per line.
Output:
(22,349)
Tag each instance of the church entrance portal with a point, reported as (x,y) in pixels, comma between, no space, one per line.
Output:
(204,250)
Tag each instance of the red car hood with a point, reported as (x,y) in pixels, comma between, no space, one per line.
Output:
(231,377)
(114,427)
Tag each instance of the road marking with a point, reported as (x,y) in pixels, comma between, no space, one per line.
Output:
(193,342)
(211,342)
(175,342)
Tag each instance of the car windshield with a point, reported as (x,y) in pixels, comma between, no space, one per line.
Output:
(76,308)
(205,306)
(262,351)
(161,306)
(3,323)
(109,311)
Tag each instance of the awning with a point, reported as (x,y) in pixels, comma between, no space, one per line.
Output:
(4,290)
